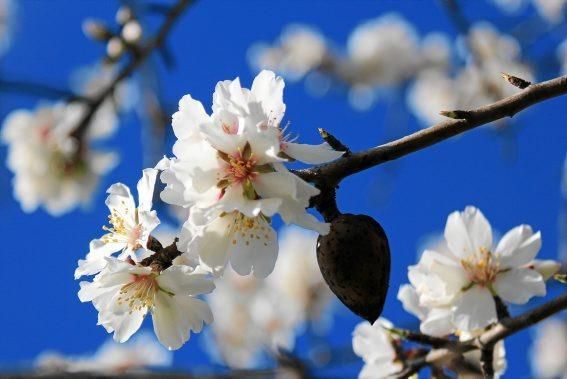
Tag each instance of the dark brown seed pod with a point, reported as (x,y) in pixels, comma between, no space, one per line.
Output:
(354,259)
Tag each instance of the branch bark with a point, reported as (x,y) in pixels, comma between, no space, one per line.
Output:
(333,173)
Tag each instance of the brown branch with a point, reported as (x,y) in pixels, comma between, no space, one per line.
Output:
(487,340)
(171,17)
(332,173)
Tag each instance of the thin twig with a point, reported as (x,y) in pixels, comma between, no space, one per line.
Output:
(332,173)
(171,17)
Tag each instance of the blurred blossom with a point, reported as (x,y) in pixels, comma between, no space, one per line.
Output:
(252,315)
(140,353)
(549,349)
(375,345)
(50,171)
(383,51)
(552,10)
(6,23)
(249,318)
(432,92)
(299,50)
(297,276)
(487,54)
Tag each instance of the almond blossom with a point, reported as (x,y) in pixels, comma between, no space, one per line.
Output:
(375,345)
(462,275)
(129,229)
(124,293)
(229,170)
(50,170)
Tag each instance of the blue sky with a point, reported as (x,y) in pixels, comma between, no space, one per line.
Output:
(410,197)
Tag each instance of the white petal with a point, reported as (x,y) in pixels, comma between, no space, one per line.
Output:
(518,247)
(175,316)
(457,236)
(191,114)
(372,343)
(475,309)
(183,281)
(519,285)
(254,250)
(467,232)
(410,301)
(146,189)
(438,322)
(268,90)
(312,154)
(212,243)
(275,184)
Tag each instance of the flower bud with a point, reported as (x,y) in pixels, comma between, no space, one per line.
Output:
(354,259)
(546,268)
(132,31)
(96,30)
(115,48)
(124,15)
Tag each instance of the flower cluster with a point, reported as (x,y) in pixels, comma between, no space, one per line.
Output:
(229,171)
(124,290)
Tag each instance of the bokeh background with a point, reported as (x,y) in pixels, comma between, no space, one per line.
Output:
(512,177)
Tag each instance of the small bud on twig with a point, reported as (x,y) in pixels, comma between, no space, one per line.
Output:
(96,30)
(124,15)
(456,114)
(333,141)
(132,31)
(515,81)
(115,48)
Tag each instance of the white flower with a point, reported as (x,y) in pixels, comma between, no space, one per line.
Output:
(383,51)
(466,272)
(374,344)
(550,349)
(123,293)
(140,352)
(229,171)
(130,226)
(49,169)
(299,50)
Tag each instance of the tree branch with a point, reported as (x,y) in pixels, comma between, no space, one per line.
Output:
(486,341)
(171,17)
(332,173)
